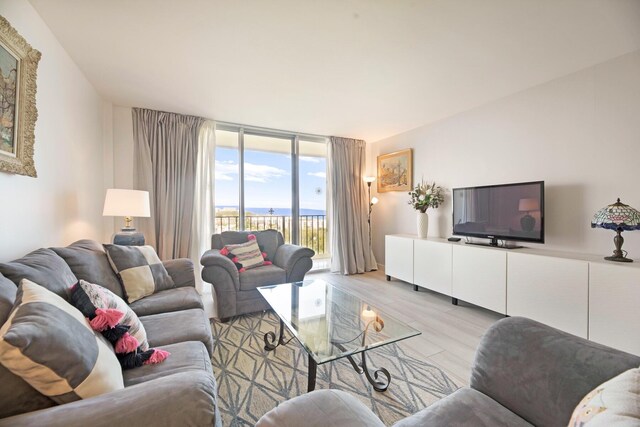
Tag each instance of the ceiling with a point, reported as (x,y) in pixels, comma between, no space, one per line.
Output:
(361,68)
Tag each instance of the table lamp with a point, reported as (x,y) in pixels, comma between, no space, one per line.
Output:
(527,222)
(129,204)
(618,217)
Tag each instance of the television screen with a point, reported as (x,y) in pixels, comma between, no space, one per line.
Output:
(500,212)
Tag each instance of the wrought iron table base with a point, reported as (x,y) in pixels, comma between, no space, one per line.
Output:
(378,383)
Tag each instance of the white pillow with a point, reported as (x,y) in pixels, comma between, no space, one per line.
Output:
(613,403)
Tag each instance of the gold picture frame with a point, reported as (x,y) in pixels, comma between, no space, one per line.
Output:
(395,171)
(18,112)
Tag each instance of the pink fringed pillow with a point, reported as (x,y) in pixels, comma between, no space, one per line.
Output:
(110,315)
(246,255)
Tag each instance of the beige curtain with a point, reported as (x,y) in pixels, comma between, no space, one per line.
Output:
(204,209)
(166,153)
(350,250)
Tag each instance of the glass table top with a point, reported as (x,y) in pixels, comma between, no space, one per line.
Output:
(331,323)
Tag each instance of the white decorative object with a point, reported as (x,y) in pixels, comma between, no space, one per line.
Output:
(423,224)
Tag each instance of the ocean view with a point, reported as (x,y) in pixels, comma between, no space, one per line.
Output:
(276,211)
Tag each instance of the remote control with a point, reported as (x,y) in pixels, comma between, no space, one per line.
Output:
(454,239)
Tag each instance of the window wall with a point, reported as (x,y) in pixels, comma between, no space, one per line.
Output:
(269,179)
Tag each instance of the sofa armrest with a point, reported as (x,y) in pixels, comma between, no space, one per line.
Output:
(181,271)
(321,408)
(295,260)
(186,398)
(539,372)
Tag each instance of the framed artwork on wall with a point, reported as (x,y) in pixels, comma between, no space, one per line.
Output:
(395,171)
(18,113)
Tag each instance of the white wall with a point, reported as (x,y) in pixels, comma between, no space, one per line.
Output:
(65,202)
(580,134)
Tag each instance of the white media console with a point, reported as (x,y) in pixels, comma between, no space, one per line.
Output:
(580,294)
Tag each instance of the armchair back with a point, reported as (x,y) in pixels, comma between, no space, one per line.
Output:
(268,240)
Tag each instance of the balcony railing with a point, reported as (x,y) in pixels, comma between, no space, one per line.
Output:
(312,228)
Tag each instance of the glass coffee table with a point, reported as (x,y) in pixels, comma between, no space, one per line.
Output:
(331,324)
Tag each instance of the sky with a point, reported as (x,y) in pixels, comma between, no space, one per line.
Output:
(268,180)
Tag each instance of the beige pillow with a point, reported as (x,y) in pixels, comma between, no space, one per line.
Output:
(613,403)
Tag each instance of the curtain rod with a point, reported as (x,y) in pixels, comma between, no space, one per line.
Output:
(268,130)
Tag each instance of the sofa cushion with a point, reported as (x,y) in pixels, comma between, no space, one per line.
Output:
(50,344)
(262,276)
(185,356)
(614,403)
(43,267)
(140,270)
(268,240)
(178,326)
(16,395)
(166,301)
(8,292)
(88,261)
(465,407)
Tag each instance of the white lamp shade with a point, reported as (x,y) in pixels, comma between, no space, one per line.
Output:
(374,200)
(527,205)
(121,202)
(369,178)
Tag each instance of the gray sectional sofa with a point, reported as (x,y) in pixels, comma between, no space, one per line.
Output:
(524,374)
(178,391)
(236,293)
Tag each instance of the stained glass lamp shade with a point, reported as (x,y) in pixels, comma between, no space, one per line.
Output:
(618,217)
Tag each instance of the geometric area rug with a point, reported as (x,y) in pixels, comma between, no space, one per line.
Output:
(252,381)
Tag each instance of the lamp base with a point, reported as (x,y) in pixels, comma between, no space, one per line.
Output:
(129,237)
(618,258)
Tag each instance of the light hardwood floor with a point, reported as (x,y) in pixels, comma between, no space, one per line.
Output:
(450,334)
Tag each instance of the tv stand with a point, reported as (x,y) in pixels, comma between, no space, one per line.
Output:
(494,243)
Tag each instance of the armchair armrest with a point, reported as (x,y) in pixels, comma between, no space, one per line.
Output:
(539,372)
(321,408)
(181,271)
(295,260)
(213,258)
(186,398)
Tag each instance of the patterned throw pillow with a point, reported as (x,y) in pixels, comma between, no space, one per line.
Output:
(140,270)
(110,315)
(246,255)
(48,343)
(615,402)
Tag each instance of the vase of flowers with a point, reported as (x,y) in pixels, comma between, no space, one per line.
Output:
(422,197)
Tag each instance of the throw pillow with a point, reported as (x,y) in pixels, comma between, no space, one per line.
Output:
(246,255)
(140,270)
(49,343)
(614,402)
(111,316)
(94,302)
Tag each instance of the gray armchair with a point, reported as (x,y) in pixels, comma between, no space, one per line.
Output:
(236,292)
(524,374)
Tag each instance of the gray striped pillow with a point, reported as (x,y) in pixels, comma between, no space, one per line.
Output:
(49,343)
(248,254)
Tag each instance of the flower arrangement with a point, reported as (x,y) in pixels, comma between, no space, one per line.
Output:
(425,196)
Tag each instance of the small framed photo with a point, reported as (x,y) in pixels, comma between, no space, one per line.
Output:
(395,171)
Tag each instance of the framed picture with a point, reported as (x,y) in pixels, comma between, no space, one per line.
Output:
(18,113)
(395,171)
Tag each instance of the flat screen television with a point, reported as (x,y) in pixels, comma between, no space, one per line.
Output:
(507,212)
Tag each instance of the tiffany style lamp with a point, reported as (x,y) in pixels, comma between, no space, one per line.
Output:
(618,217)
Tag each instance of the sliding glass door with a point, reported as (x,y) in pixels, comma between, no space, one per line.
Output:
(273,180)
